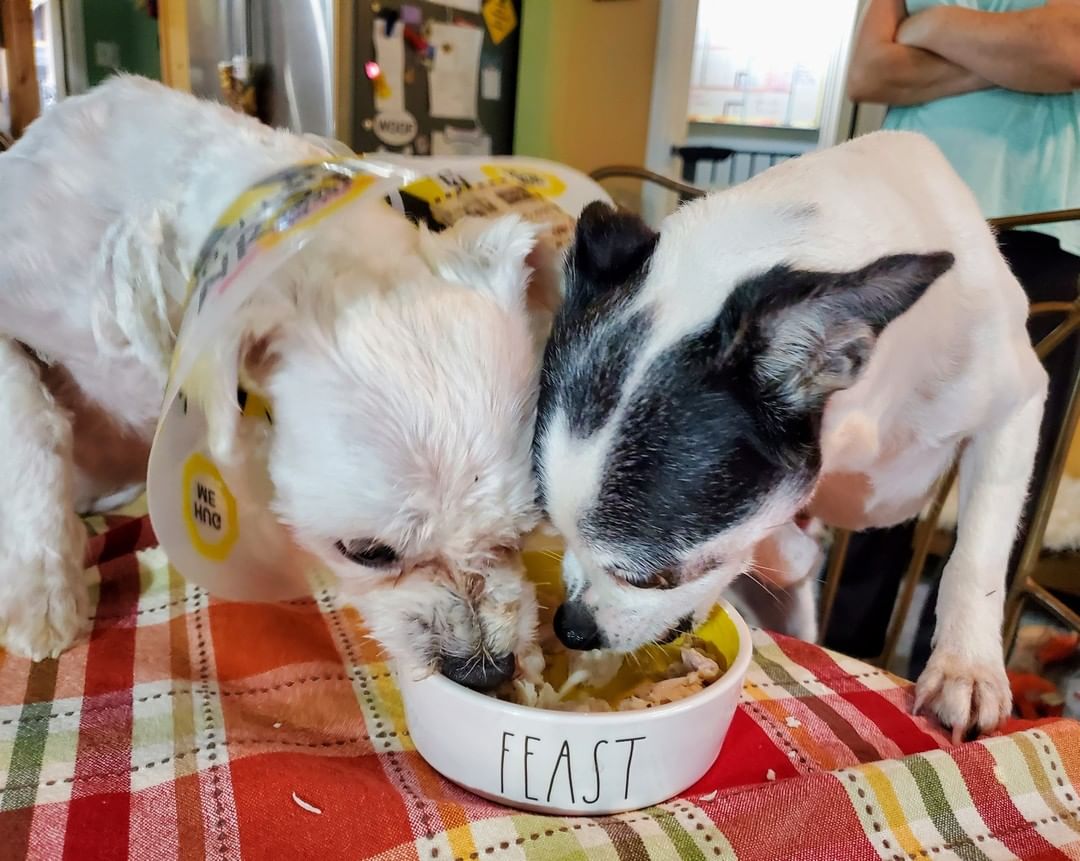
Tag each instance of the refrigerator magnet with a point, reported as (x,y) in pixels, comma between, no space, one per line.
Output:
(395,128)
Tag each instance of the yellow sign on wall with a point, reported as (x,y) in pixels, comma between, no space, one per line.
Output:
(501,19)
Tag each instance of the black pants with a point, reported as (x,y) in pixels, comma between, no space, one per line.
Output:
(877,559)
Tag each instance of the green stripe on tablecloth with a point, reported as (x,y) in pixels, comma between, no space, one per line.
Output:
(939,811)
(28,753)
(544,837)
(682,839)
(836,722)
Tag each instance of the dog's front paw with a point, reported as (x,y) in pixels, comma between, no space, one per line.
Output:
(964,693)
(44,604)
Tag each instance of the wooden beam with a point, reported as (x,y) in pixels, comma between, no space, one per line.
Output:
(173,43)
(18,27)
(344,70)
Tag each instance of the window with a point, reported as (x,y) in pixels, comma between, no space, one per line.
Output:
(764,62)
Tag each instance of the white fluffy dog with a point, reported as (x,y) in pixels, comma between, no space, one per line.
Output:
(399,364)
(829,336)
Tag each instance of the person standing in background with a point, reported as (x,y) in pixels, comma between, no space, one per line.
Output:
(996,85)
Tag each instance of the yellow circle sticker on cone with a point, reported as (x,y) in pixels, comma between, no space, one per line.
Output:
(209,509)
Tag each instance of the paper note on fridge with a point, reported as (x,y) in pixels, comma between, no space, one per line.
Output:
(460,142)
(455,73)
(491,83)
(390,55)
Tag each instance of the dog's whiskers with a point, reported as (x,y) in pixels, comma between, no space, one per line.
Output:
(765,588)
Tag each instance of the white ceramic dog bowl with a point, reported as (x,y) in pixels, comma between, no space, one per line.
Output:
(572,763)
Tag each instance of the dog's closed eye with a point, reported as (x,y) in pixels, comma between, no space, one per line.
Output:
(364,551)
(661,580)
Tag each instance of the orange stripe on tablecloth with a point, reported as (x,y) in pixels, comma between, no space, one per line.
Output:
(842,683)
(801,737)
(1065,734)
(454,820)
(191,835)
(416,786)
(891,809)
(840,727)
(891,723)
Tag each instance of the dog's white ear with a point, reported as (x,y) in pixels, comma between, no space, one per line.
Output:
(486,254)
(812,333)
(245,362)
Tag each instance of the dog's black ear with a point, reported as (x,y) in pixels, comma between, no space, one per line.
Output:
(610,246)
(814,332)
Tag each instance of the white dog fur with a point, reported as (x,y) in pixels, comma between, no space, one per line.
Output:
(954,376)
(399,365)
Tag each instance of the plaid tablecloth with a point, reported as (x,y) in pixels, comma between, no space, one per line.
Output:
(190,728)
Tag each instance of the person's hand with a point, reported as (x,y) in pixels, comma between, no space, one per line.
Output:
(916,30)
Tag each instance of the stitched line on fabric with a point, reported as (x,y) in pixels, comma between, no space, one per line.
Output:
(330,608)
(536,836)
(1053,765)
(296,602)
(825,680)
(211,746)
(970,841)
(778,737)
(200,614)
(330,677)
(966,841)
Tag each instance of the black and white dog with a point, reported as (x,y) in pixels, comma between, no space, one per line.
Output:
(828,336)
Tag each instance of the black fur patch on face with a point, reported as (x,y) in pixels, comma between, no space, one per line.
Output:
(592,378)
(699,450)
(594,337)
(728,416)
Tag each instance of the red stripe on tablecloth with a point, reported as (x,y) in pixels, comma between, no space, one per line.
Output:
(821,664)
(98,819)
(809,819)
(841,728)
(362,814)
(1004,820)
(746,757)
(893,722)
(121,539)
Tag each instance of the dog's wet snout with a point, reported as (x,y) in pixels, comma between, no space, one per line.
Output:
(481,673)
(576,628)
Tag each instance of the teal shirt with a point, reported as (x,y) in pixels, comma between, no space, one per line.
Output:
(1019,152)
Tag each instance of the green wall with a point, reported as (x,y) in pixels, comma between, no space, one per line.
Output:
(534,116)
(130,27)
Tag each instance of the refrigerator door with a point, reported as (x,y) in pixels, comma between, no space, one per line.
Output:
(210,41)
(294,41)
(49,50)
(289,42)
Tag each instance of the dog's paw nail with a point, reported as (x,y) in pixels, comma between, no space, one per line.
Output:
(968,697)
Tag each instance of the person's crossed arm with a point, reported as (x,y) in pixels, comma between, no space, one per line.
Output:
(948,50)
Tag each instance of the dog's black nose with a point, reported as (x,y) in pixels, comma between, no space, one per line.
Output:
(576,628)
(479,672)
